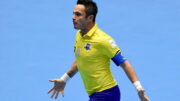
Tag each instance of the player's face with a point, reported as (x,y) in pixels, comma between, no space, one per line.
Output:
(79,17)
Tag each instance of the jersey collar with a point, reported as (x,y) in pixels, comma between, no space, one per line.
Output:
(91,31)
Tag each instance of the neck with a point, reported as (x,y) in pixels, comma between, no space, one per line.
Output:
(86,30)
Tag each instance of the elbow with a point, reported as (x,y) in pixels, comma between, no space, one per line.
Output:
(125,65)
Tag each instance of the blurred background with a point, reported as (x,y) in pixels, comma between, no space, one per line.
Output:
(37,41)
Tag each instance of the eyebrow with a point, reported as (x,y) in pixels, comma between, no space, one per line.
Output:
(77,13)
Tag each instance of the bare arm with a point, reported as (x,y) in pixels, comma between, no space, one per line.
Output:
(73,69)
(133,78)
(129,71)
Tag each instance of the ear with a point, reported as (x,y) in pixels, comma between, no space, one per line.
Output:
(91,17)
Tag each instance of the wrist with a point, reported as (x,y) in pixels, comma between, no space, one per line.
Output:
(137,85)
(65,78)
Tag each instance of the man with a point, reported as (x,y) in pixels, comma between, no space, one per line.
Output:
(93,50)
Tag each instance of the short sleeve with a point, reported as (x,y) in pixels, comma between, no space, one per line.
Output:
(109,48)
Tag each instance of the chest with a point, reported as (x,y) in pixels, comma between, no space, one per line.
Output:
(86,49)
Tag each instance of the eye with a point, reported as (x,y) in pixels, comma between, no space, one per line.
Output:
(77,13)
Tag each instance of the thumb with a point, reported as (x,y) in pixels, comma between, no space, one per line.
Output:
(62,93)
(53,80)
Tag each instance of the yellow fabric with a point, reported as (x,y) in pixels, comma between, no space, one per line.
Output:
(93,52)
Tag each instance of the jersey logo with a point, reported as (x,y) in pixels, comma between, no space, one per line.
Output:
(88,46)
(78,51)
(113,44)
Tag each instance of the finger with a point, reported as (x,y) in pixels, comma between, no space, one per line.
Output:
(53,80)
(144,98)
(141,96)
(147,99)
(53,94)
(51,90)
(62,93)
(57,94)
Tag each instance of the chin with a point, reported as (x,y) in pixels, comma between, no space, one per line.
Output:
(75,28)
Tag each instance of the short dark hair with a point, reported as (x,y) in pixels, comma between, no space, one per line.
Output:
(90,7)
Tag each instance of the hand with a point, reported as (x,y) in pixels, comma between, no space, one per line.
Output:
(142,95)
(59,86)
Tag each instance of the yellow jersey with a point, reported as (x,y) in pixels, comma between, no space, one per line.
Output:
(93,53)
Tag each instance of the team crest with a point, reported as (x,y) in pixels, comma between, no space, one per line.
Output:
(88,46)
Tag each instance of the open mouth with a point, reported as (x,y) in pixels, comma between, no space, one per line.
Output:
(74,23)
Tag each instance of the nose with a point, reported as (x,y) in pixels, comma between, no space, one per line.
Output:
(73,17)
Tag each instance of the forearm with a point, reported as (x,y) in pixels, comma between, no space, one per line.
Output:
(73,69)
(132,76)
(129,71)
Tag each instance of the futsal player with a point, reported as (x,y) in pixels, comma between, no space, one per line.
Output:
(94,50)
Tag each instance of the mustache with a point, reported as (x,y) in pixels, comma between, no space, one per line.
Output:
(74,22)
